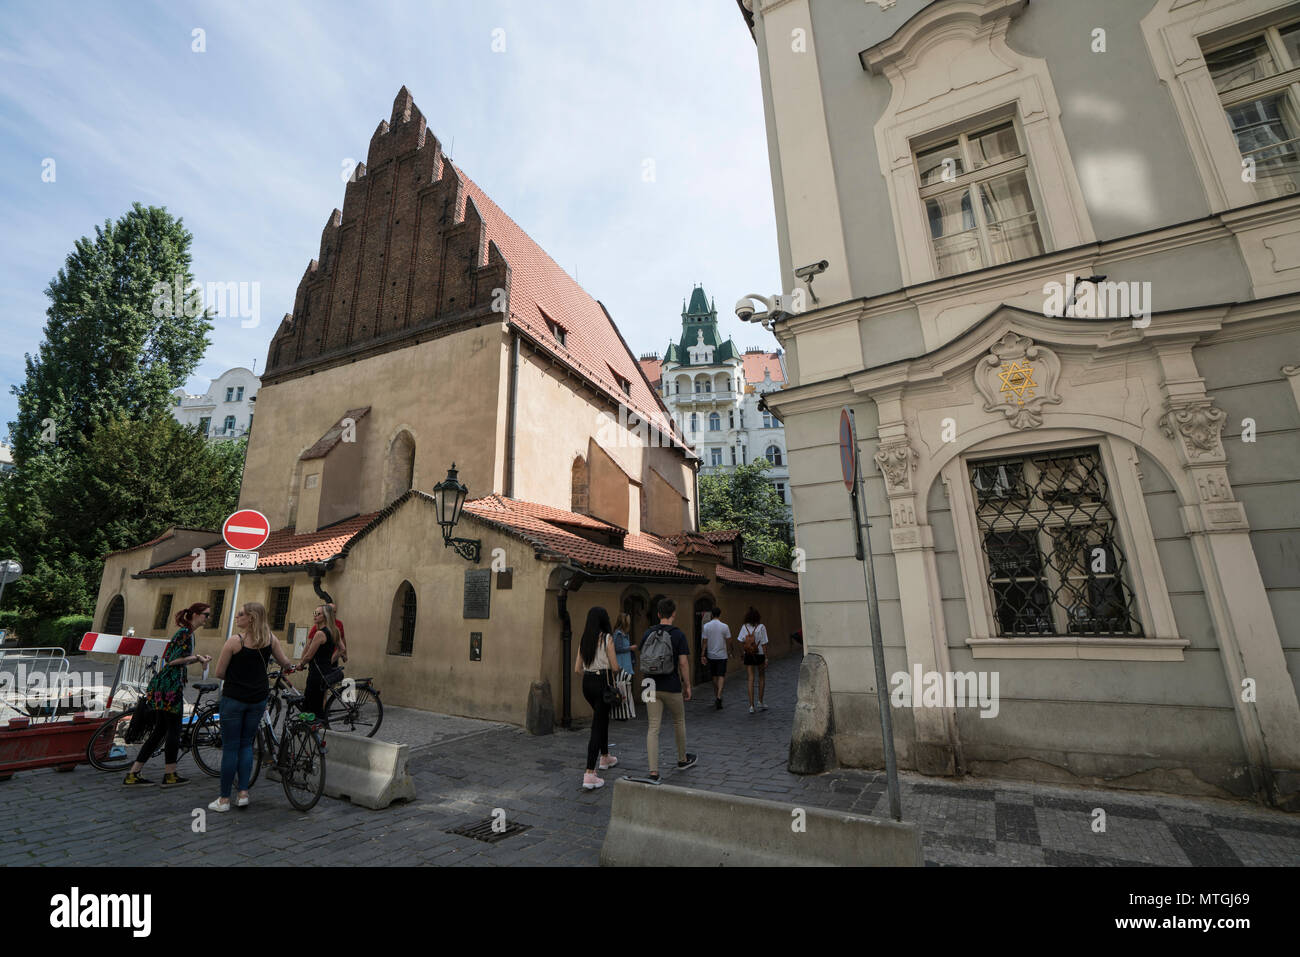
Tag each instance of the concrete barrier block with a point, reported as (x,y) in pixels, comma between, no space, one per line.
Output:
(661,825)
(367,772)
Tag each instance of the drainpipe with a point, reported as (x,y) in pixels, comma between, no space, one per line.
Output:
(695,480)
(566,636)
(317,571)
(513,406)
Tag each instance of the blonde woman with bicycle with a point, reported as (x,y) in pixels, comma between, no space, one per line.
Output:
(242,666)
(318,661)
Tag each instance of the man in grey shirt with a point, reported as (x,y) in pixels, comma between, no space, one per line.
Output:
(716,636)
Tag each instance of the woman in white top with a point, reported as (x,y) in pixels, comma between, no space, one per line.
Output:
(598,665)
(754,636)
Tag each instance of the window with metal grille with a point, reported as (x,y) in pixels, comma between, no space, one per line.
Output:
(1258,82)
(279,607)
(164,615)
(1054,565)
(401,626)
(217,599)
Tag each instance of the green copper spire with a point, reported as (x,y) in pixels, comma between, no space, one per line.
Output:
(700,318)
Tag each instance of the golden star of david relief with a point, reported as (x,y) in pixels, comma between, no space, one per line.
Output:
(1017,381)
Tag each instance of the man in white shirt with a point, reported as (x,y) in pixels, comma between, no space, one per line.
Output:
(716,636)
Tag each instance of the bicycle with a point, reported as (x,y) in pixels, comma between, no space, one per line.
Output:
(299,753)
(108,749)
(353,704)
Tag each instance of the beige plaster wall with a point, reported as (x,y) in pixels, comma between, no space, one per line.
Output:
(445,392)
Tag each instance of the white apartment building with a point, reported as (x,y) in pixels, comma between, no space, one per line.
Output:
(714,391)
(225,411)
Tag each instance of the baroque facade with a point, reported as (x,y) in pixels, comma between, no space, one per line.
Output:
(715,392)
(1063,247)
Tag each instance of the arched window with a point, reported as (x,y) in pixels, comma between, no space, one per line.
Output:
(695,422)
(579,499)
(401,624)
(715,422)
(399,470)
(773,455)
(116,616)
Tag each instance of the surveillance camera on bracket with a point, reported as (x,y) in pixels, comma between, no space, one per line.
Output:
(816,269)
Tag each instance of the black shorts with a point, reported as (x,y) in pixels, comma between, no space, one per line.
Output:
(755,660)
(717,667)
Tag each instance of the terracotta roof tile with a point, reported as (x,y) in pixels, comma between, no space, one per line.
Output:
(540,289)
(725,535)
(747,579)
(282,550)
(757,362)
(692,543)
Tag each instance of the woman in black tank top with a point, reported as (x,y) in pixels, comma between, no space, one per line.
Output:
(318,659)
(242,666)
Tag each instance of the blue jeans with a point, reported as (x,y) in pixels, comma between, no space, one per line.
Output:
(239,722)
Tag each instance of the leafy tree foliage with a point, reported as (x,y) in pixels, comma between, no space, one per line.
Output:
(99,462)
(744,498)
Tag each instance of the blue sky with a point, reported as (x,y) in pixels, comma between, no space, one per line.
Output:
(247,142)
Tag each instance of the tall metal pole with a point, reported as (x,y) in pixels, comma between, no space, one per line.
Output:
(873,616)
(234,603)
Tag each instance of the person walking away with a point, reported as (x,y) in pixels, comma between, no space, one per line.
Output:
(165,695)
(242,668)
(753,642)
(666,659)
(318,661)
(624,647)
(716,636)
(340,656)
(595,654)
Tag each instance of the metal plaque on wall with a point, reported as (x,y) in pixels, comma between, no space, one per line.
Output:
(478,592)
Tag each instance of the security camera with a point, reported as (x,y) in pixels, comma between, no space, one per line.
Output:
(816,269)
(745,310)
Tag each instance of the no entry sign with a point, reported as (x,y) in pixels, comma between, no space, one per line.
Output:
(848,450)
(246,530)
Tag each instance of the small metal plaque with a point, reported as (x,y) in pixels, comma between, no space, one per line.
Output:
(478,592)
(506,578)
(476,646)
(241,561)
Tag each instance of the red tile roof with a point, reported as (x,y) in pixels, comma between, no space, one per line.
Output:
(283,550)
(727,575)
(543,527)
(540,289)
(653,369)
(726,535)
(693,543)
(758,362)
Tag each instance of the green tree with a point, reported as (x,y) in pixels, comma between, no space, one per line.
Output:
(744,498)
(120,334)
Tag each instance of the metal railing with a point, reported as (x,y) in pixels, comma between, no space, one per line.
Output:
(34,683)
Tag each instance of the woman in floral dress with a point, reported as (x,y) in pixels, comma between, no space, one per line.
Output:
(166,696)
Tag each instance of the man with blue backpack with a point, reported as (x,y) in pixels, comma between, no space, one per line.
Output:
(665,660)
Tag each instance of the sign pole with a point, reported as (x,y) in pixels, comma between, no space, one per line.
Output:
(849,424)
(234,603)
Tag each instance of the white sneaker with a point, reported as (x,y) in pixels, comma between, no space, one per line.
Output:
(761,706)
(751,709)
(242,802)
(218,806)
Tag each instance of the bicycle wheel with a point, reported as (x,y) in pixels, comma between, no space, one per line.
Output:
(259,754)
(303,769)
(363,715)
(206,742)
(108,750)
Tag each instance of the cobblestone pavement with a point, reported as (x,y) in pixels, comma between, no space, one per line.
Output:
(464,769)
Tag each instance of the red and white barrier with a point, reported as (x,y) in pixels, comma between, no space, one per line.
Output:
(123,645)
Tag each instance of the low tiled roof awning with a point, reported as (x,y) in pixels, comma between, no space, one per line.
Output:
(170,533)
(737,579)
(283,551)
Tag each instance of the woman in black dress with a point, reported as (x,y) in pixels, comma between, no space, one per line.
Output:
(318,660)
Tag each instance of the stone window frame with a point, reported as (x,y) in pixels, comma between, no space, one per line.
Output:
(1133,531)
(993,79)
(1177,33)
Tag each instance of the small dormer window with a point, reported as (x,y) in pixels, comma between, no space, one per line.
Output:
(558,332)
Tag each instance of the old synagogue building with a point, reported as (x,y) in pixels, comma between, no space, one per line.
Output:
(432,330)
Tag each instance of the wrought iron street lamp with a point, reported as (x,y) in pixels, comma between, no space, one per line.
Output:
(448,500)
